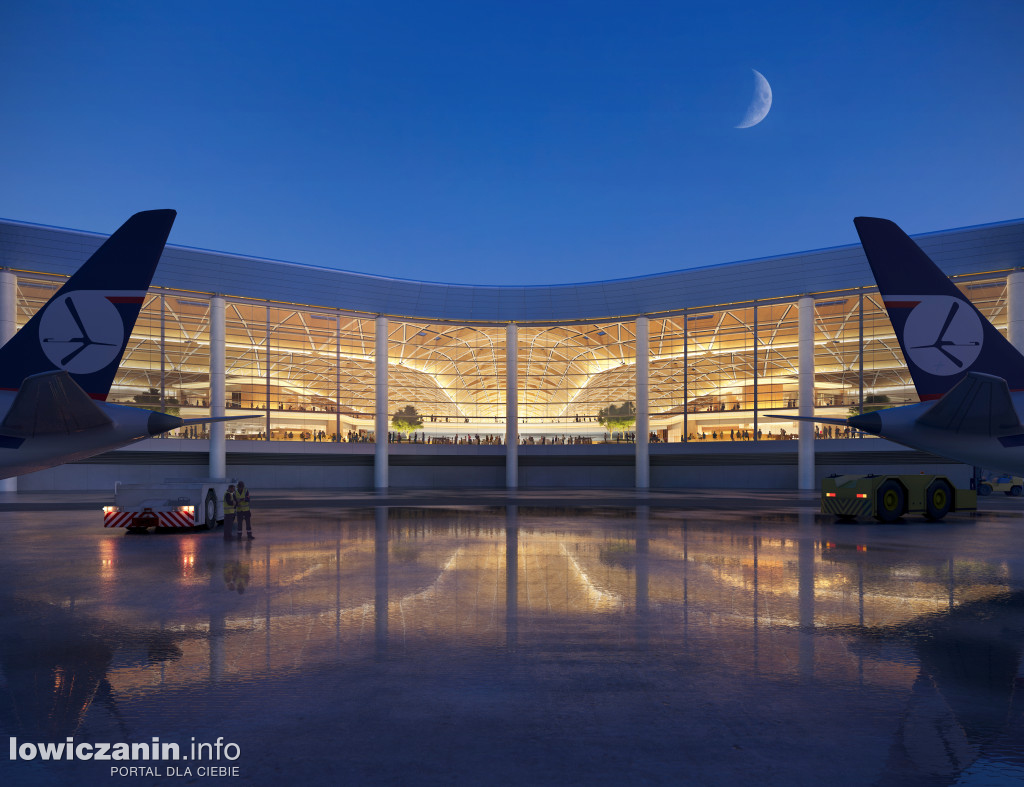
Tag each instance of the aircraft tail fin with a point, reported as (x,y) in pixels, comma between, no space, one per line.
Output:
(84,328)
(942,335)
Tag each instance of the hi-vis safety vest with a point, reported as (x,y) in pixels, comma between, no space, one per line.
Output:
(242,500)
(229,502)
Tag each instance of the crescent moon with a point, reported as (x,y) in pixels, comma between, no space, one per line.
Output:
(759,104)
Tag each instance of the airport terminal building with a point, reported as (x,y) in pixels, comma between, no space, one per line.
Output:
(516,386)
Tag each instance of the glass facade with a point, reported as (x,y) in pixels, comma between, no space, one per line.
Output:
(453,376)
(308,374)
(569,375)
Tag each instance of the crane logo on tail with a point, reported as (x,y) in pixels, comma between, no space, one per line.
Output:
(943,335)
(83,332)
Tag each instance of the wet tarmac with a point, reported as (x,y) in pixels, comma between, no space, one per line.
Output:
(677,642)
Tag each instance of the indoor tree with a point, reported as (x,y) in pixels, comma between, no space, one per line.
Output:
(407,420)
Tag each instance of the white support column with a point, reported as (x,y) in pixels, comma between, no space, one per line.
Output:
(643,420)
(380,425)
(8,305)
(8,327)
(218,388)
(511,406)
(805,447)
(1015,309)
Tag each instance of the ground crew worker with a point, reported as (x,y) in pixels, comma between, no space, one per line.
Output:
(242,513)
(229,511)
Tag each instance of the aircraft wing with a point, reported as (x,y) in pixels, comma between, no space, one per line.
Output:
(52,403)
(979,404)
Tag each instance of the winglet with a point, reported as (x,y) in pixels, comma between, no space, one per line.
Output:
(979,404)
(52,403)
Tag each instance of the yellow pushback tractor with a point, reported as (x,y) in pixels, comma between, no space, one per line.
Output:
(888,497)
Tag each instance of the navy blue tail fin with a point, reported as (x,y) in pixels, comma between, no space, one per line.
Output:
(84,328)
(942,335)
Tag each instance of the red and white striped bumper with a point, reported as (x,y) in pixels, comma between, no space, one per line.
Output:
(118,518)
(185,518)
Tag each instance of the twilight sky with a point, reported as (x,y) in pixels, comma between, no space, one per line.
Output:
(511,142)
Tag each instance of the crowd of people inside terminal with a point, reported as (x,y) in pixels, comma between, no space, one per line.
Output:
(827,432)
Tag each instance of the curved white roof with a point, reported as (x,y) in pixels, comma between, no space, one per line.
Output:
(958,252)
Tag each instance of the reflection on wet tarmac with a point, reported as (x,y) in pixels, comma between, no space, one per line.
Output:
(770,647)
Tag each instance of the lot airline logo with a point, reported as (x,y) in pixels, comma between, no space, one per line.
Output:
(942,334)
(83,332)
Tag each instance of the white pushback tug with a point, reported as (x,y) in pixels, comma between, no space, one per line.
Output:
(177,503)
